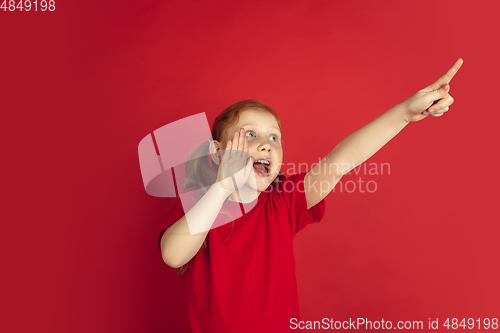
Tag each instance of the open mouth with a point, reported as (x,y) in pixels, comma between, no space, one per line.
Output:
(262,167)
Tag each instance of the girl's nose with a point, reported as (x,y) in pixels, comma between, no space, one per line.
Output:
(264,147)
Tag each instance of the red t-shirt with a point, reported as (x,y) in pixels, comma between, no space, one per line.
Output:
(247,283)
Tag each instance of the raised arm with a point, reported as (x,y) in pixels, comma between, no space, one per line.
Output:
(359,146)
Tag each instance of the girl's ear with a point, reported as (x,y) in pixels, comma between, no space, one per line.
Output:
(213,150)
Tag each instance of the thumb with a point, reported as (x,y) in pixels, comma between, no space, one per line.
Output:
(442,91)
(249,165)
(250,162)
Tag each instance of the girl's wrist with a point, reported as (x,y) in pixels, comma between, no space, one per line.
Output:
(403,112)
(220,191)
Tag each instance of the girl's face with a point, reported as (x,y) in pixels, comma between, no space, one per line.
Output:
(264,143)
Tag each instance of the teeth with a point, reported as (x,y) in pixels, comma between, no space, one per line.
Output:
(263,161)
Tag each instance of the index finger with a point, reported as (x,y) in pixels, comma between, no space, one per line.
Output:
(446,78)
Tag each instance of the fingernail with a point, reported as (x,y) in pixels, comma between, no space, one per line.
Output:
(432,110)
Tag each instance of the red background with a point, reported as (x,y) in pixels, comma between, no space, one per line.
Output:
(82,85)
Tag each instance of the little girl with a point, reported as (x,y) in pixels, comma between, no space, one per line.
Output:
(232,236)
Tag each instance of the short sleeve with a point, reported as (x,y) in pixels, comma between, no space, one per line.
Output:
(295,198)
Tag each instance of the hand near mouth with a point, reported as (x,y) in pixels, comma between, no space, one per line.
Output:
(236,163)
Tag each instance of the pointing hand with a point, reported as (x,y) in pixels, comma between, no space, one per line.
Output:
(433,100)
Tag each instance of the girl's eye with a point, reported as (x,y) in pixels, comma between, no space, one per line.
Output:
(275,137)
(248,134)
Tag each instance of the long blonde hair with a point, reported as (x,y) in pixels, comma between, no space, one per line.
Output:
(200,171)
